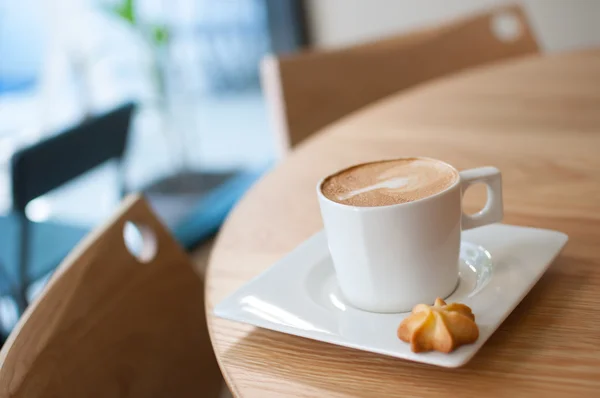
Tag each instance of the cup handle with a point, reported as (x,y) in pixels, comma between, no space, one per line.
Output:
(493,210)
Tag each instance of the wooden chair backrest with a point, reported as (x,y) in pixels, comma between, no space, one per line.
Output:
(309,90)
(109,324)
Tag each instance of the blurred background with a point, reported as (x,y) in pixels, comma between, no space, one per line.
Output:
(197,135)
(560,25)
(192,67)
(194,141)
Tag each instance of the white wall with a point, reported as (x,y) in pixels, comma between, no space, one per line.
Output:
(559,24)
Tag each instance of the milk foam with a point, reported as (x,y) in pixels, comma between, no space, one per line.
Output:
(389,182)
(392,183)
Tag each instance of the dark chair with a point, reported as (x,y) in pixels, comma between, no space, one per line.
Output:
(34,249)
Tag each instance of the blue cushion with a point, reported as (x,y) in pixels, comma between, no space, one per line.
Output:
(210,212)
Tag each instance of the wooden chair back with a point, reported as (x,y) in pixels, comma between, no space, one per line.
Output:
(110,324)
(309,90)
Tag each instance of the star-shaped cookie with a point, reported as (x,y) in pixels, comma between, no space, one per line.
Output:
(441,327)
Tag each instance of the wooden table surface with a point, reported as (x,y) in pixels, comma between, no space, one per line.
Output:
(538,120)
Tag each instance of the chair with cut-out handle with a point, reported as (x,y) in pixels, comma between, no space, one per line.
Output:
(115,321)
(309,90)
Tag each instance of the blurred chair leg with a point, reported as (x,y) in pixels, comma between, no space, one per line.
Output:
(8,306)
(22,278)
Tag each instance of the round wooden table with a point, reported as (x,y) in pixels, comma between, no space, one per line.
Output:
(538,120)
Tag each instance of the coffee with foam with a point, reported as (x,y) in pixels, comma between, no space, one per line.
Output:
(389,182)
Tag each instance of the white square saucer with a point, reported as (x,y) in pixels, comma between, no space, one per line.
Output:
(299,294)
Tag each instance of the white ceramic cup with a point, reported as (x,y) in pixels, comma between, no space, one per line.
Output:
(390,258)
